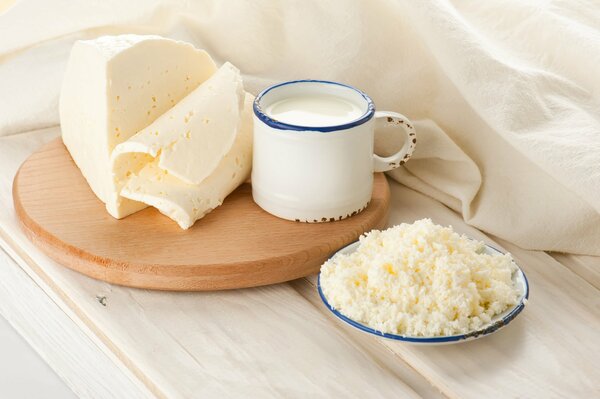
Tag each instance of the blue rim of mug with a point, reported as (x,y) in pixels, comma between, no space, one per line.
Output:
(260,114)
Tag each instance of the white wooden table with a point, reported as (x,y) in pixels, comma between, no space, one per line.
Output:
(279,341)
(23,373)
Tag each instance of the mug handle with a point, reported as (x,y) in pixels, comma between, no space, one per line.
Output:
(383,164)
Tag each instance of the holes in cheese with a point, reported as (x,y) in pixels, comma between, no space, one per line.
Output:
(184,202)
(106,98)
(154,120)
(190,149)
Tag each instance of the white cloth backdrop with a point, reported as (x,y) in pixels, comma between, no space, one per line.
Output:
(505,95)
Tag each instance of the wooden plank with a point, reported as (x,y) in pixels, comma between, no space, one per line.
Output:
(51,332)
(307,287)
(190,344)
(261,342)
(551,350)
(62,216)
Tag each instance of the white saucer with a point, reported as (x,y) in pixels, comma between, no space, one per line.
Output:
(498,322)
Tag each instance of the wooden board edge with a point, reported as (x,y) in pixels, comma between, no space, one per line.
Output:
(144,276)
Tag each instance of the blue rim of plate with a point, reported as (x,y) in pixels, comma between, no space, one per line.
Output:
(498,324)
(260,114)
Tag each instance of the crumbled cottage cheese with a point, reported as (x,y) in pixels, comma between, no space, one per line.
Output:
(420,279)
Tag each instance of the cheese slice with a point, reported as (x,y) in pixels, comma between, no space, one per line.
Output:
(184,202)
(115,86)
(191,138)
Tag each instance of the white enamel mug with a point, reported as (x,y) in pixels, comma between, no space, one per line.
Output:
(320,173)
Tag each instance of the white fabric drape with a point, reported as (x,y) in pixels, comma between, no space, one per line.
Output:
(505,95)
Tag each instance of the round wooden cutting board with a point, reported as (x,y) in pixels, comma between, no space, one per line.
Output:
(237,245)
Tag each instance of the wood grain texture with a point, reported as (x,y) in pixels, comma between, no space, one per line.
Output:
(61,215)
(49,330)
(280,341)
(253,343)
(550,351)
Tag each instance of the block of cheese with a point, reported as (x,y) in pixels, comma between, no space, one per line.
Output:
(115,86)
(184,202)
(191,138)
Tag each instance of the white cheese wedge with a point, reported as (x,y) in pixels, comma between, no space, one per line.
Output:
(115,86)
(192,137)
(184,202)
